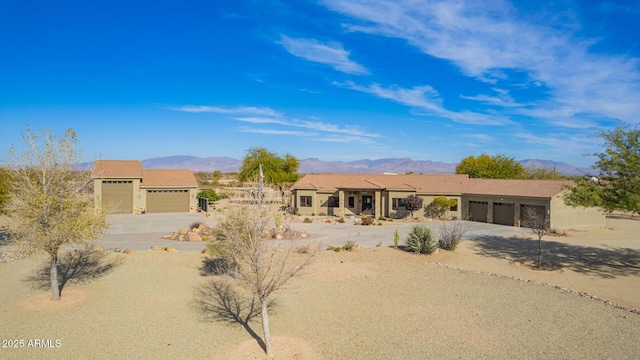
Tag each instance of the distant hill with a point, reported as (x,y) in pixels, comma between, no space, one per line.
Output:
(314,165)
(224,164)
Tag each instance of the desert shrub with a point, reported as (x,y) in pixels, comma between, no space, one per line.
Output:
(396,239)
(340,220)
(451,233)
(367,220)
(307,220)
(209,194)
(322,214)
(421,240)
(439,207)
(350,245)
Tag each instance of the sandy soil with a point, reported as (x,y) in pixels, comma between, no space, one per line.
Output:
(378,303)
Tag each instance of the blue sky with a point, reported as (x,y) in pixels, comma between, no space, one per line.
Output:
(332,79)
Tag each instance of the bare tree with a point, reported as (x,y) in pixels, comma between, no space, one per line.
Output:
(49,202)
(536,221)
(243,239)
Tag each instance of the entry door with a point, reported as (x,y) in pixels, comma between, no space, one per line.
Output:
(367,202)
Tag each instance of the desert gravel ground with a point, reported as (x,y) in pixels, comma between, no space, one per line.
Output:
(374,303)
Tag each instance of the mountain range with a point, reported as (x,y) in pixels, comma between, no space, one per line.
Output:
(314,165)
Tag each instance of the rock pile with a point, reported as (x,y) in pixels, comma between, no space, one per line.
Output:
(198,232)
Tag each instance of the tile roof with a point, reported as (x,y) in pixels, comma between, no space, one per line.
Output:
(168,178)
(131,169)
(433,184)
(510,187)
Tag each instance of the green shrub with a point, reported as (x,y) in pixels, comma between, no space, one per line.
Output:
(396,239)
(350,245)
(307,220)
(421,240)
(209,194)
(322,214)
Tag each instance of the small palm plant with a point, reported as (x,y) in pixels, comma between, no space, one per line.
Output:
(421,240)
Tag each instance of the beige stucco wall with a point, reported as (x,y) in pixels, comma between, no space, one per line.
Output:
(426,200)
(305,210)
(565,217)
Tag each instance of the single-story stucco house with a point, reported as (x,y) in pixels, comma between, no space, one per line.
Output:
(124,187)
(497,201)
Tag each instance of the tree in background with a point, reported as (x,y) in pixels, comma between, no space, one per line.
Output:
(49,202)
(413,203)
(617,184)
(540,173)
(276,169)
(491,167)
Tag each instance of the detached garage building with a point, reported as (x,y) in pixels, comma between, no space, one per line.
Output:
(125,188)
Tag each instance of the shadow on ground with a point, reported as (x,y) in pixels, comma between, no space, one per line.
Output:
(603,262)
(76,266)
(218,301)
(213,266)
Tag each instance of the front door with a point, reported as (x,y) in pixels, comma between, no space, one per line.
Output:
(367,203)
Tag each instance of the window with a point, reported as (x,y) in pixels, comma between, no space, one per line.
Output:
(397,204)
(454,207)
(305,201)
(352,202)
(333,202)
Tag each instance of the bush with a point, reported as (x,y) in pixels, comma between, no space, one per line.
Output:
(209,194)
(307,220)
(350,245)
(451,233)
(421,240)
(367,220)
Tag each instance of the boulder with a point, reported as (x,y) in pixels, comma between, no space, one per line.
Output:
(171,250)
(127,251)
(194,237)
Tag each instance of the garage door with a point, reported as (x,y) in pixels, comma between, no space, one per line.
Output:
(532,215)
(504,213)
(117,196)
(478,211)
(162,201)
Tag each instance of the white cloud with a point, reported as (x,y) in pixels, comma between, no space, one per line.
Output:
(332,54)
(248,129)
(268,116)
(503,99)
(248,110)
(425,100)
(486,38)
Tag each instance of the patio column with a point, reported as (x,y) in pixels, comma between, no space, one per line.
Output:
(341,203)
(376,213)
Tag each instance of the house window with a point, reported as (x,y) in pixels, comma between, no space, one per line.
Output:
(305,201)
(333,202)
(397,204)
(454,207)
(352,202)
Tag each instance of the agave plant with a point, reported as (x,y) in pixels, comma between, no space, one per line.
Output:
(421,240)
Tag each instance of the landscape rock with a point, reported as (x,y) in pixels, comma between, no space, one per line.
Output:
(194,237)
(127,251)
